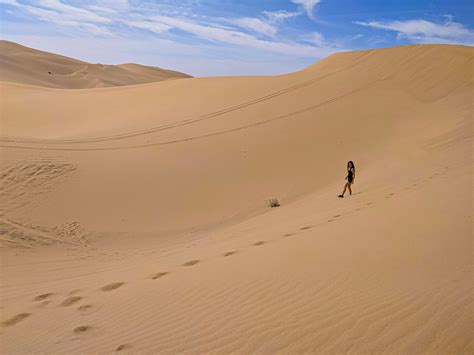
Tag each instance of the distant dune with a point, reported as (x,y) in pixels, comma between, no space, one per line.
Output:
(20,64)
(135,219)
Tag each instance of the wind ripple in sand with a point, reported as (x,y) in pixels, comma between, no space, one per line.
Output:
(379,318)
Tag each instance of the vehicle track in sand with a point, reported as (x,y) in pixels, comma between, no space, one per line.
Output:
(185,121)
(192,138)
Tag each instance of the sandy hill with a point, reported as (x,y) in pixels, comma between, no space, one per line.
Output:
(19,64)
(134,218)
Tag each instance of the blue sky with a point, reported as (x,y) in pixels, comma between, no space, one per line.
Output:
(230,37)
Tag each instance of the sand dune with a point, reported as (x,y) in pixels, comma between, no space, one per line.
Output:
(134,218)
(19,64)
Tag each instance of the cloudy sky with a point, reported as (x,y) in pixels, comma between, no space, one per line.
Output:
(230,37)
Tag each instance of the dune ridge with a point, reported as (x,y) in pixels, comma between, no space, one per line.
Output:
(134,218)
(20,64)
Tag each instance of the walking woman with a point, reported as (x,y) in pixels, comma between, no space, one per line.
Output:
(351,172)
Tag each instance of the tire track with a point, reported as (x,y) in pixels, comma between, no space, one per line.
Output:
(186,121)
(294,113)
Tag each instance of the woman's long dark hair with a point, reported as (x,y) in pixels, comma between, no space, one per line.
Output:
(352,163)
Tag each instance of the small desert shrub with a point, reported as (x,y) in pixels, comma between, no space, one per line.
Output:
(273,202)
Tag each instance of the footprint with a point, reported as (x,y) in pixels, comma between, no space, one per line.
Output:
(370,203)
(158,275)
(288,235)
(113,286)
(258,243)
(43,296)
(14,320)
(74,292)
(336,216)
(305,228)
(330,220)
(43,304)
(81,329)
(191,263)
(84,307)
(123,347)
(70,301)
(392,194)
(229,253)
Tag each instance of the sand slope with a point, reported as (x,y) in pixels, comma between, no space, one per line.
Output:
(134,218)
(20,64)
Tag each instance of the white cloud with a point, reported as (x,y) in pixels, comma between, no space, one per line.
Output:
(241,39)
(307,5)
(100,17)
(96,30)
(106,11)
(108,7)
(116,4)
(267,24)
(354,37)
(257,25)
(279,16)
(65,20)
(152,26)
(54,11)
(423,31)
(10,2)
(317,38)
(71,12)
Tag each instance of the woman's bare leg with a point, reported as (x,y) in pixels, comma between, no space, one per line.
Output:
(349,186)
(345,187)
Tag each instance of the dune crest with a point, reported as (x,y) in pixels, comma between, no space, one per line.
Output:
(20,64)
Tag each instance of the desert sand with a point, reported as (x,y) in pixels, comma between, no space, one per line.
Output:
(20,64)
(134,217)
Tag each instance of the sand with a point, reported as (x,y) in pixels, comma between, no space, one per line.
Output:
(134,218)
(20,64)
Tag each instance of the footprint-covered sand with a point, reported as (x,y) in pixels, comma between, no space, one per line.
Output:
(133,218)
